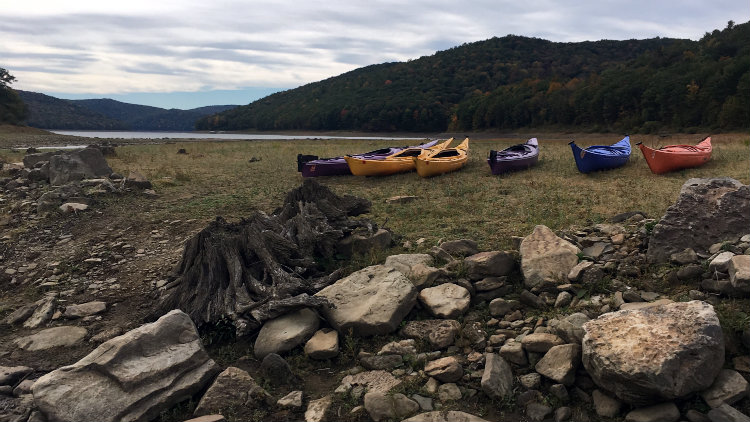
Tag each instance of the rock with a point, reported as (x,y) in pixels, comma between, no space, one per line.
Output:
(372,380)
(500,307)
(360,245)
(720,263)
(605,406)
(84,309)
(425,403)
(739,273)
(276,370)
(461,247)
(63,336)
(292,400)
(402,199)
(232,389)
(447,300)
(439,333)
(382,406)
(22,313)
(449,392)
(531,381)
(323,345)
(484,264)
(208,418)
(445,416)
(706,212)
(540,342)
(24,387)
(42,313)
(11,375)
(546,258)
(576,273)
(133,377)
(570,328)
(513,352)
(665,412)
(530,299)
(317,410)
(537,412)
(693,415)
(286,332)
(73,207)
(371,301)
(497,379)
(727,413)
(560,363)
(687,256)
(403,347)
(596,250)
(77,165)
(137,180)
(729,387)
(563,414)
(423,276)
(405,262)
(446,369)
(658,353)
(385,362)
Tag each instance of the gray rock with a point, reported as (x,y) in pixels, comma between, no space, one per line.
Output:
(729,387)
(439,333)
(446,369)
(720,263)
(359,244)
(42,314)
(727,413)
(540,342)
(707,211)
(425,403)
(500,307)
(563,299)
(497,379)
(371,301)
(654,354)
(563,414)
(560,363)
(576,273)
(84,309)
(10,375)
(324,344)
(537,412)
(292,400)
(546,258)
(445,416)
(63,336)
(317,410)
(461,247)
(665,412)
(276,370)
(449,392)
(513,352)
(488,264)
(570,328)
(286,332)
(232,389)
(447,300)
(530,381)
(77,165)
(560,392)
(133,377)
(739,273)
(402,347)
(596,250)
(605,406)
(382,406)
(372,380)
(405,262)
(687,256)
(386,362)
(693,415)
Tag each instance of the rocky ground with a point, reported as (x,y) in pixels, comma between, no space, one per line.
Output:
(637,319)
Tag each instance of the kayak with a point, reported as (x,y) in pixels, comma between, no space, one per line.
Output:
(514,158)
(312,166)
(443,161)
(399,162)
(601,157)
(676,157)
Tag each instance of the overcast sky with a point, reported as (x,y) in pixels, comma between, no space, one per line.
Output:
(185,53)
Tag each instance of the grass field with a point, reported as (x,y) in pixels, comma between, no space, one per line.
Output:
(216,178)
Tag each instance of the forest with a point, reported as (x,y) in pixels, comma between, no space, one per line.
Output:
(514,82)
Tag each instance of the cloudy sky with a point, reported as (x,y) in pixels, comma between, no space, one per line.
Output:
(185,53)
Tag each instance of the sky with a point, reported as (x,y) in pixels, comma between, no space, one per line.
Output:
(186,54)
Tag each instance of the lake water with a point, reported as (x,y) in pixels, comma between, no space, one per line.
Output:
(203,135)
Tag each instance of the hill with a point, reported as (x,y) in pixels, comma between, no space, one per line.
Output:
(514,82)
(107,114)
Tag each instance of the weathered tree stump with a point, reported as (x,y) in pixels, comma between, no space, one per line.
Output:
(263,266)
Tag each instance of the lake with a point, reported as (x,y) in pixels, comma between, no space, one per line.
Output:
(203,135)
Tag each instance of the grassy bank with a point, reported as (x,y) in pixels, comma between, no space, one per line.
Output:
(217,178)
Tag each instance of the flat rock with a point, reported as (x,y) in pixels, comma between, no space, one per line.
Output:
(727,413)
(10,375)
(369,302)
(286,332)
(232,389)
(52,337)
(292,400)
(439,333)
(540,342)
(720,263)
(447,369)
(546,258)
(665,412)
(318,410)
(133,377)
(739,273)
(493,263)
(382,381)
(447,300)
(405,262)
(84,309)
(513,352)
(729,387)
(654,354)
(560,363)
(461,247)
(382,406)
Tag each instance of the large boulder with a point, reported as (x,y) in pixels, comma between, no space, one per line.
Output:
(546,259)
(77,165)
(707,211)
(133,377)
(62,336)
(654,354)
(286,332)
(369,302)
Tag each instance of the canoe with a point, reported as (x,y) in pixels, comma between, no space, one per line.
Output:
(442,161)
(676,157)
(312,165)
(399,162)
(601,157)
(514,158)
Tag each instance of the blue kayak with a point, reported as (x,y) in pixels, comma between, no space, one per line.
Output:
(601,157)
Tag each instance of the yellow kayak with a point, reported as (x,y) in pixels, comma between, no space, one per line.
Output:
(443,161)
(399,162)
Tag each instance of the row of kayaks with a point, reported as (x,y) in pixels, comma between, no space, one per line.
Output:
(434,158)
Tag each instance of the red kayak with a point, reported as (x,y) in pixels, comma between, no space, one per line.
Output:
(675,157)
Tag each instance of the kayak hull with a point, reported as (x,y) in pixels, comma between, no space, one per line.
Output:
(445,161)
(311,166)
(676,157)
(601,157)
(514,158)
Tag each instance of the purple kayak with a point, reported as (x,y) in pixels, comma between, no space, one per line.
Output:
(312,166)
(514,158)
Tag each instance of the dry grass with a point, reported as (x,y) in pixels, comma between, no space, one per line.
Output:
(215,178)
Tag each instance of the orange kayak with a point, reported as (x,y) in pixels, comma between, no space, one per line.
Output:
(675,157)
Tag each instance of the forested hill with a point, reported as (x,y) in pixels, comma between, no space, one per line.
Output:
(515,82)
(106,114)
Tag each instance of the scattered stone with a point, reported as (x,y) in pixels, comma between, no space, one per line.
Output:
(446,369)
(461,247)
(687,256)
(317,410)
(576,273)
(497,379)
(560,363)
(137,180)
(546,258)
(493,263)
(596,250)
(729,387)
(739,273)
(374,362)
(232,389)
(276,370)
(42,313)
(372,380)
(70,166)
(11,375)
(441,416)
(449,392)
(403,199)
(721,262)
(513,352)
(439,333)
(570,328)
(370,301)
(727,413)
(605,406)
(532,300)
(447,300)
(132,377)
(286,332)
(425,403)
(63,336)
(402,347)
(382,406)
(292,400)
(73,207)
(84,309)
(665,412)
(208,418)
(537,412)
(530,381)
(406,262)
(324,344)
(540,342)
(500,307)
(672,350)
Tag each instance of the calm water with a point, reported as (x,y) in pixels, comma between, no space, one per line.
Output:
(196,135)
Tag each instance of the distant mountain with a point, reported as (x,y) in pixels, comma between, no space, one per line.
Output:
(519,82)
(106,114)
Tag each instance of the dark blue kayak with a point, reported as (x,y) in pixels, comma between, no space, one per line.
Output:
(601,157)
